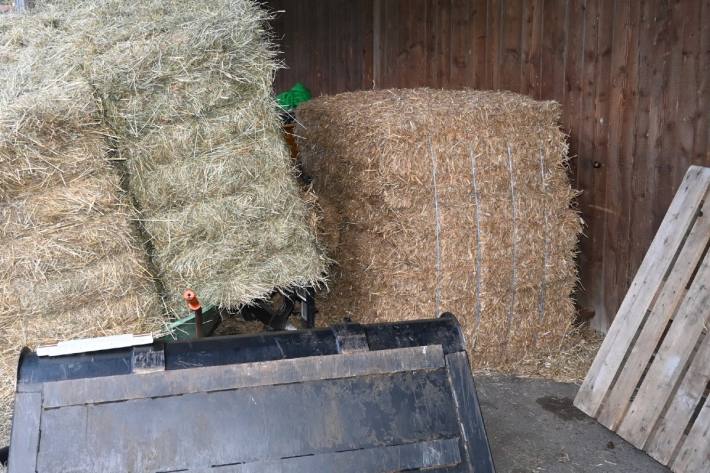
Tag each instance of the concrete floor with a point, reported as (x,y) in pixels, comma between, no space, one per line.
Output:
(533,427)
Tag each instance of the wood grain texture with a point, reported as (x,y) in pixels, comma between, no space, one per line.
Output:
(634,79)
(650,375)
(694,454)
(667,367)
(664,309)
(632,314)
(672,425)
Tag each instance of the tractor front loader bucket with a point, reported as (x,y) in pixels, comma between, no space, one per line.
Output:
(347,399)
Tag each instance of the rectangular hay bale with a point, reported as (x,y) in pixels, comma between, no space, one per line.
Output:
(187,90)
(73,263)
(447,201)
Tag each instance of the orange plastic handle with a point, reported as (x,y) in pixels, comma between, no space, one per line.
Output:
(193,303)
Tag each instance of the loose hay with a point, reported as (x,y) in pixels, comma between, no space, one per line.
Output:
(180,91)
(72,263)
(187,91)
(447,201)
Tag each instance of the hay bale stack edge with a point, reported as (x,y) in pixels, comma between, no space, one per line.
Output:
(73,264)
(447,201)
(131,130)
(187,87)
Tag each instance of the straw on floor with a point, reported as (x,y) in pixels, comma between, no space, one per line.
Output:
(447,201)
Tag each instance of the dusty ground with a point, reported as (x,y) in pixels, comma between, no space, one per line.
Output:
(533,427)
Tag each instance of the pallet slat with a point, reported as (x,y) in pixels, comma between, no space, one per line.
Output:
(672,426)
(669,298)
(643,290)
(672,357)
(694,455)
(650,376)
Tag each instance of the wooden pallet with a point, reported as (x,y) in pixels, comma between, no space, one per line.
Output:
(649,382)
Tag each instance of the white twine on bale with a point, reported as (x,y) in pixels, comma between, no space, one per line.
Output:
(477,217)
(546,246)
(514,249)
(437,217)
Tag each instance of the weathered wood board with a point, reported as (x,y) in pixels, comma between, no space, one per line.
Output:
(650,380)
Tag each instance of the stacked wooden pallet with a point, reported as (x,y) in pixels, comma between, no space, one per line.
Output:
(650,379)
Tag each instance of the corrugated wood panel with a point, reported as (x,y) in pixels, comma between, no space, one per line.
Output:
(633,77)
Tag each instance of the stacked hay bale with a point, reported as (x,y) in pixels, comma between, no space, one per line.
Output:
(447,201)
(72,264)
(187,87)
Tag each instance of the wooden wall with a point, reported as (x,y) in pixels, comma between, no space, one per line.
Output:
(633,77)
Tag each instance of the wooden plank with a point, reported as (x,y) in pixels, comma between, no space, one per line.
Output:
(574,58)
(573,69)
(25,432)
(493,49)
(601,161)
(511,31)
(378,45)
(531,46)
(669,299)
(465,36)
(414,74)
(688,14)
(364,29)
(480,30)
(387,42)
(701,143)
(624,82)
(416,456)
(554,42)
(590,281)
(407,34)
(335,18)
(439,43)
(632,312)
(662,135)
(641,228)
(82,345)
(320,56)
(674,421)
(694,455)
(218,378)
(670,361)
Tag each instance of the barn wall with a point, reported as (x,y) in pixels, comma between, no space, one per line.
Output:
(633,77)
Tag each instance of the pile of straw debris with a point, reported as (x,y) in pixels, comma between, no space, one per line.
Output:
(447,201)
(187,87)
(72,263)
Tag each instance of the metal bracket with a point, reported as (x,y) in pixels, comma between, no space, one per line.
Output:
(350,338)
(147,360)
